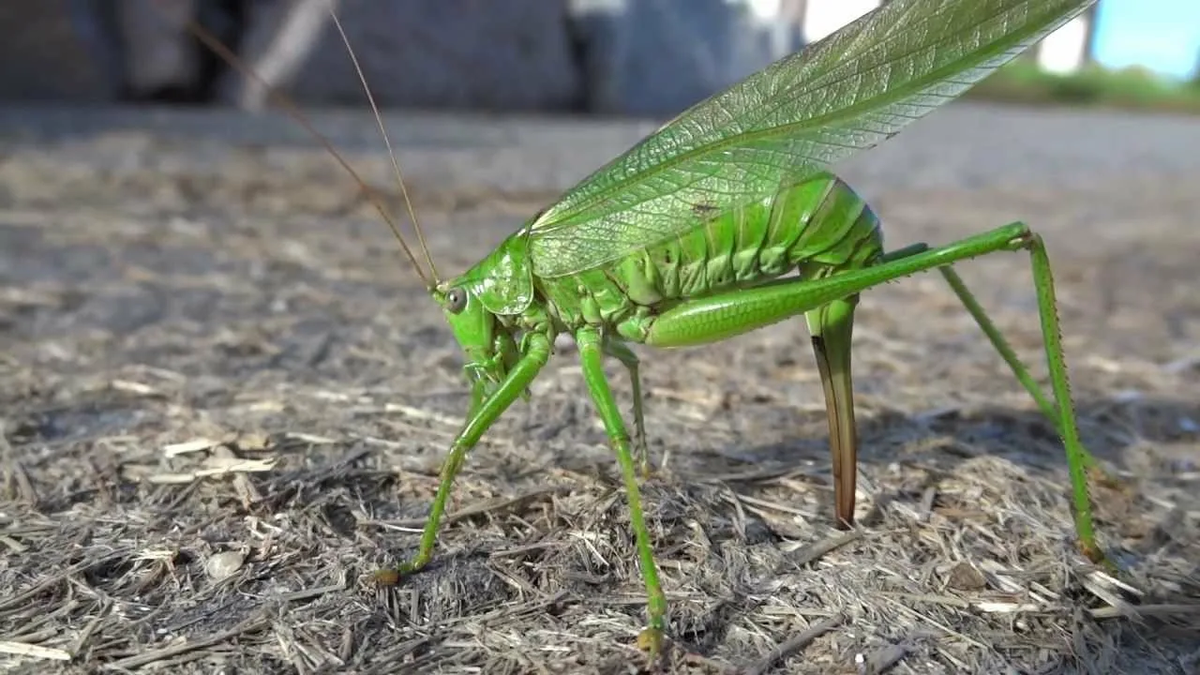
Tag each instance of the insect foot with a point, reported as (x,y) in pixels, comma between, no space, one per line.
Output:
(392,576)
(1094,553)
(643,452)
(386,577)
(650,640)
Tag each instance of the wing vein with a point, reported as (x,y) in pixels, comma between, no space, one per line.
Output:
(789,122)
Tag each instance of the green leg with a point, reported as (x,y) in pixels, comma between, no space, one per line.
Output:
(484,412)
(591,354)
(726,315)
(830,327)
(1020,371)
(625,355)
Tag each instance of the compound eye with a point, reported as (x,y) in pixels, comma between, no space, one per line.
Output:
(456,300)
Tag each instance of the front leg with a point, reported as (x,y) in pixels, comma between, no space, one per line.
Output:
(591,356)
(484,412)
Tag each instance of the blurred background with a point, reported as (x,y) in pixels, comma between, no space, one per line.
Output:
(209,347)
(623,57)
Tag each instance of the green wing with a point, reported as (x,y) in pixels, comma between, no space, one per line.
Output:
(848,92)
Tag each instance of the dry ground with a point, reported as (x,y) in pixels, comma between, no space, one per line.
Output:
(224,402)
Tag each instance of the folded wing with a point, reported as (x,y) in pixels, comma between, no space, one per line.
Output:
(848,92)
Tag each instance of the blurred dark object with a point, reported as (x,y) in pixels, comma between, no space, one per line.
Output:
(648,57)
(61,52)
(619,57)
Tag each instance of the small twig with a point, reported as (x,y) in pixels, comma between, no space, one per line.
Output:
(883,659)
(34,651)
(43,585)
(807,554)
(1164,610)
(185,447)
(794,644)
(217,467)
(307,593)
(767,504)
(928,619)
(250,625)
(90,629)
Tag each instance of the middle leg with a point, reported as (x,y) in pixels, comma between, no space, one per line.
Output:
(625,355)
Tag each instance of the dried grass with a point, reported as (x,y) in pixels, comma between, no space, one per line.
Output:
(221,414)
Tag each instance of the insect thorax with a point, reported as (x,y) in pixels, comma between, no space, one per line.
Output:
(817,227)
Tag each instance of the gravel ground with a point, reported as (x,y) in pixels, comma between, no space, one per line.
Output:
(224,400)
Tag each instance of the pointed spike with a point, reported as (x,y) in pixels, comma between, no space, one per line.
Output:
(831,328)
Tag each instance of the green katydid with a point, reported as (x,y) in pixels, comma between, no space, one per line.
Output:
(690,237)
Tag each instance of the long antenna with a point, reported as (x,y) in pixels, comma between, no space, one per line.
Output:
(283,102)
(412,216)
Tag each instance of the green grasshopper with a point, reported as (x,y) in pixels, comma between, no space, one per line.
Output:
(689,238)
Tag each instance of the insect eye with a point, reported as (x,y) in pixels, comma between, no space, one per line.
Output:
(456,300)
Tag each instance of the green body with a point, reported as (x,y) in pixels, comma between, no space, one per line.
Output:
(728,219)
(819,227)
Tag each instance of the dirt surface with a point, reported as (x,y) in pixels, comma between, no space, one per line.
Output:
(225,399)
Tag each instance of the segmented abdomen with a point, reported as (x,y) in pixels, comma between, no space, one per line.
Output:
(820,225)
